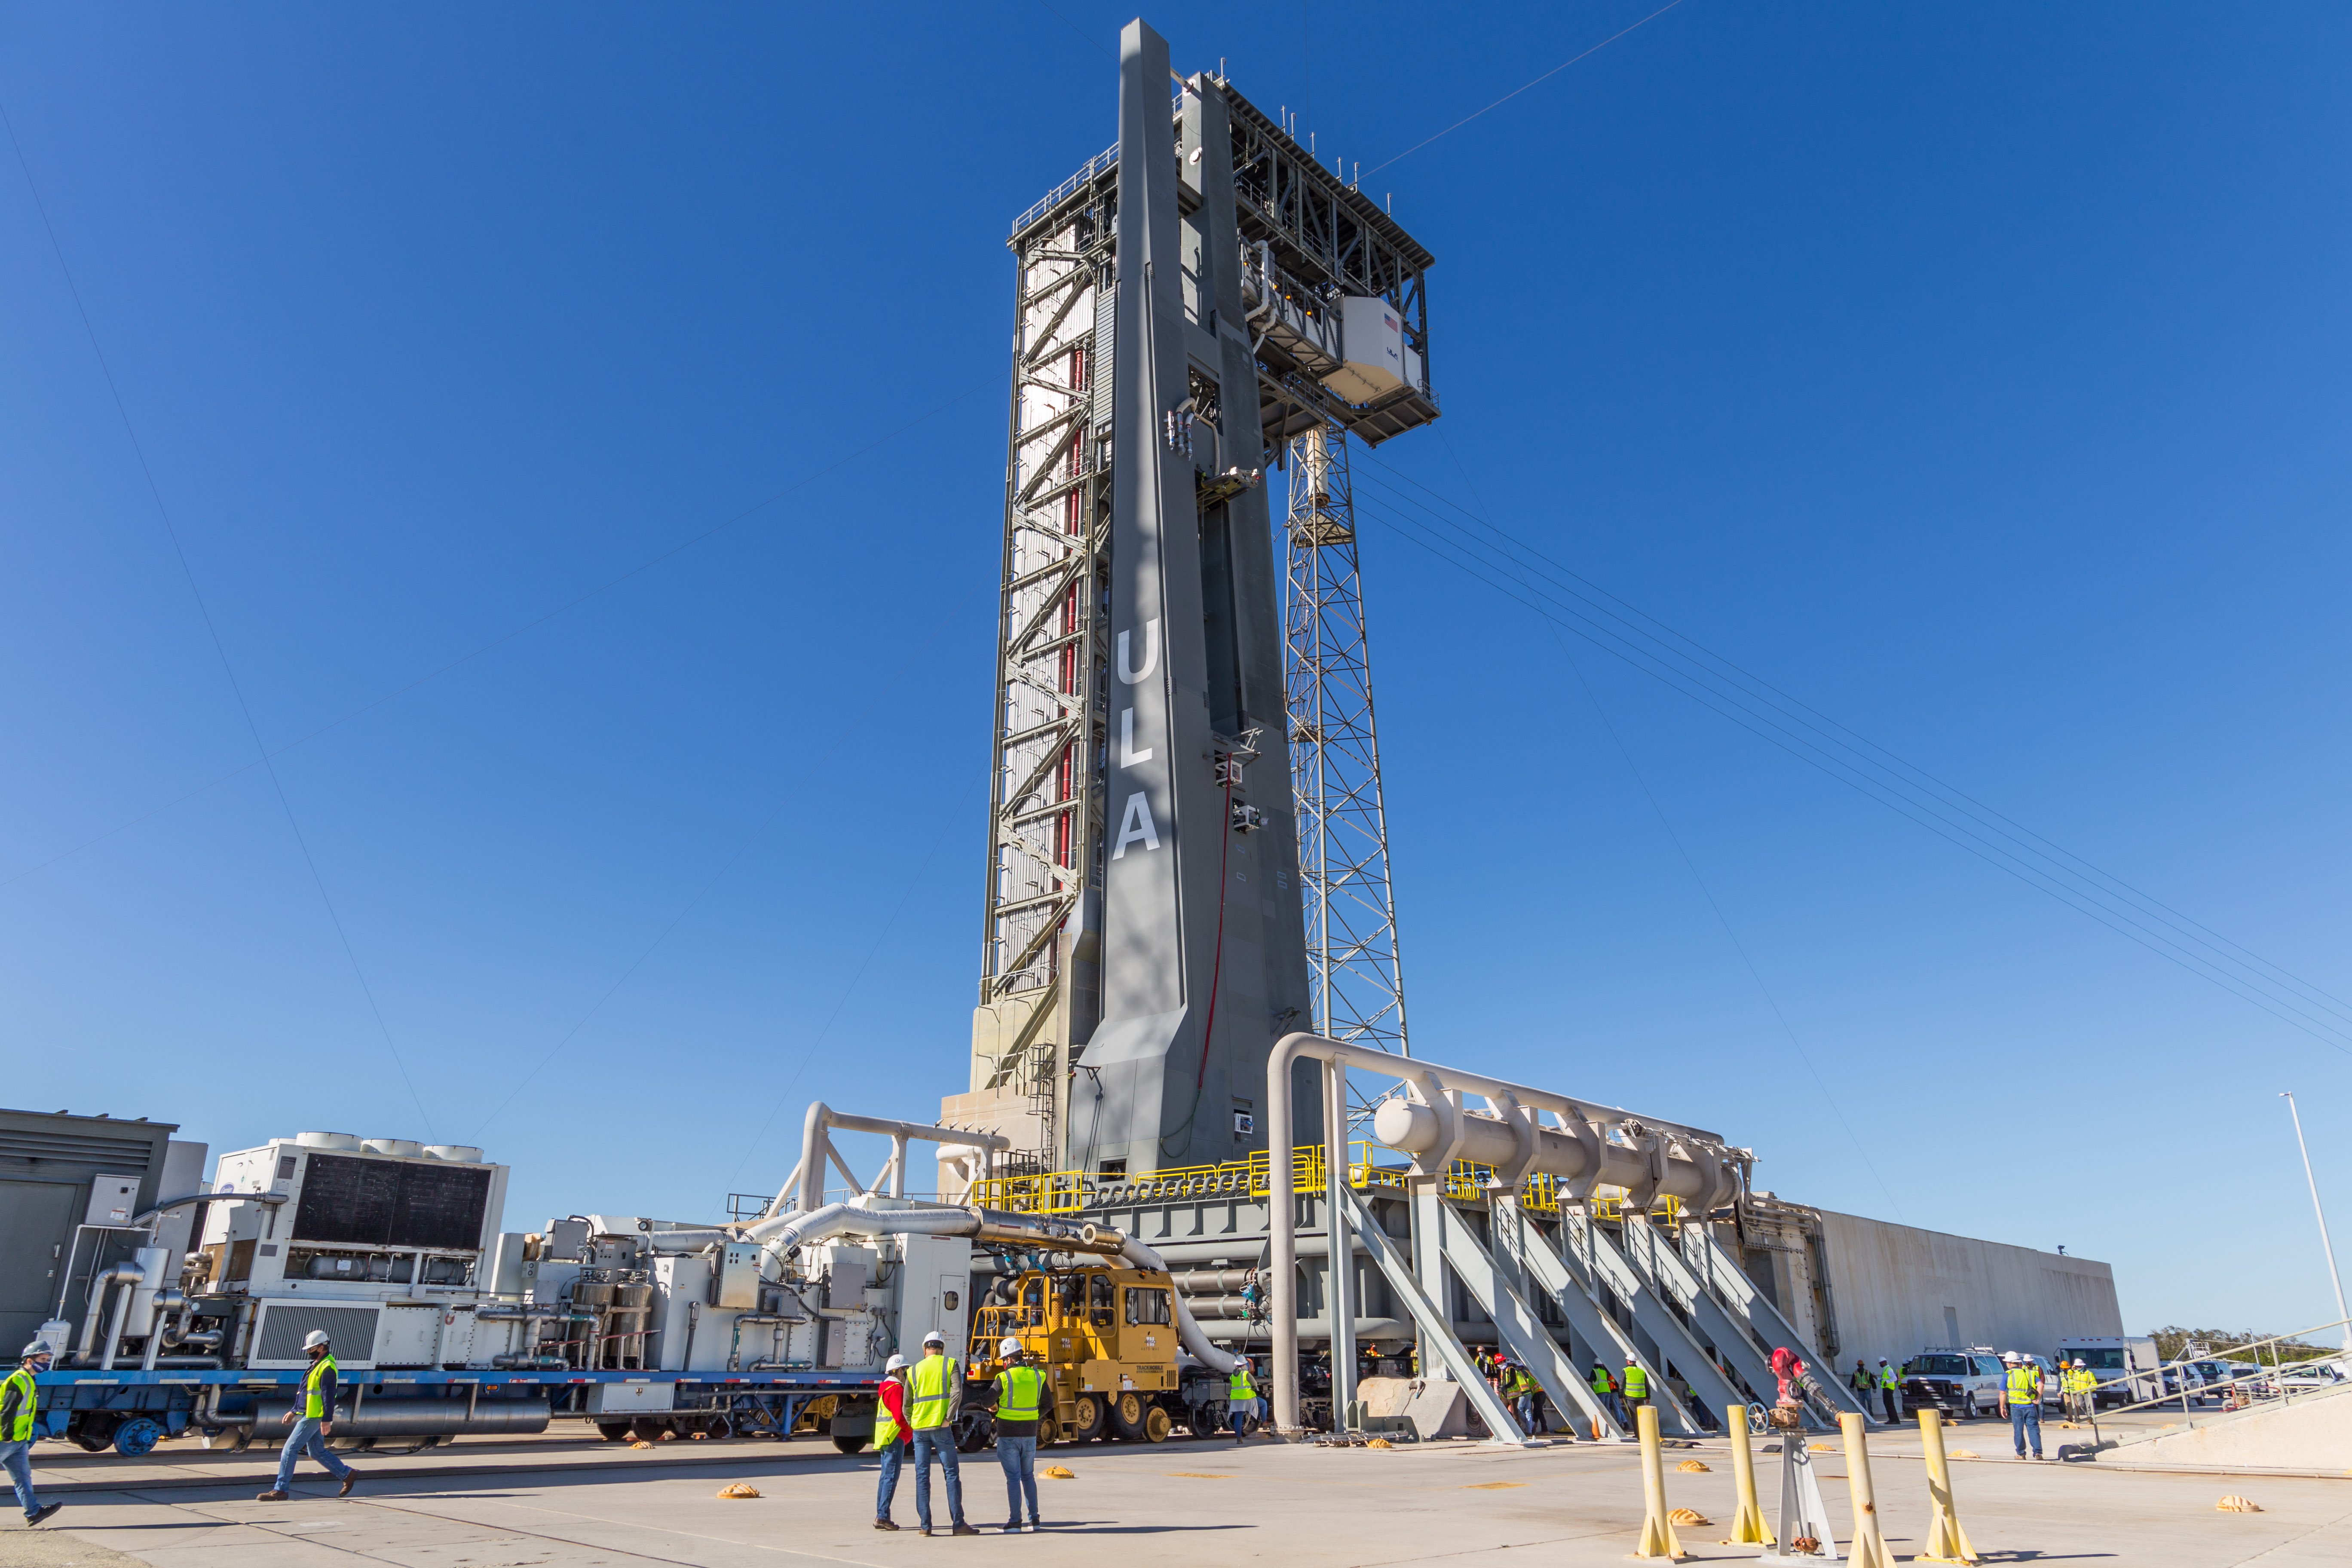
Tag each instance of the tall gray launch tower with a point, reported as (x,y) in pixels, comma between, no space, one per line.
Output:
(1189,303)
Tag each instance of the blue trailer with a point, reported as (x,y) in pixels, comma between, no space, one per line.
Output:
(130,1410)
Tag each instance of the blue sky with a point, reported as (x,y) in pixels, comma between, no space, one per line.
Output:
(1974,375)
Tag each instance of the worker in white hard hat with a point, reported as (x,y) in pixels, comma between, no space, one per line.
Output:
(1890,1386)
(1020,1402)
(2077,1381)
(312,1416)
(2021,1392)
(936,1386)
(890,1436)
(1240,1396)
(20,1398)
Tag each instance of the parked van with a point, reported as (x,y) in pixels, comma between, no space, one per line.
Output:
(2126,1367)
(1958,1382)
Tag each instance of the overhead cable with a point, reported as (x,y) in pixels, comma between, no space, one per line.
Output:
(1512,568)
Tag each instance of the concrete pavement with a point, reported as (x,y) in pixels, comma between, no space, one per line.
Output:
(1181,1504)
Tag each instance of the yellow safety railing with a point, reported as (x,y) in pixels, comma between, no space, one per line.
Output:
(1068,1192)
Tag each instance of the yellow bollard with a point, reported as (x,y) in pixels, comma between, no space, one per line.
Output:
(1869,1538)
(1947,1542)
(1747,1526)
(1658,1539)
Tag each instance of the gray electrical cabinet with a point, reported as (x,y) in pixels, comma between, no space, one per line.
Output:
(62,1179)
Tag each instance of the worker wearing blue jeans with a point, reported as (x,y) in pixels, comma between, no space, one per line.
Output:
(937,1386)
(313,1416)
(19,1398)
(2023,1392)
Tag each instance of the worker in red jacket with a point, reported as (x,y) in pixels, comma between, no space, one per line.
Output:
(891,1438)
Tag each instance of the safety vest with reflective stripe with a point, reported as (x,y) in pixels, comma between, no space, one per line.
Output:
(930,1386)
(1637,1384)
(1886,1377)
(1238,1385)
(1520,1383)
(1601,1381)
(886,1428)
(20,1420)
(2023,1384)
(312,1406)
(1018,1391)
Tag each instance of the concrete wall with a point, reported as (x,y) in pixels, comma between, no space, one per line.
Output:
(1895,1288)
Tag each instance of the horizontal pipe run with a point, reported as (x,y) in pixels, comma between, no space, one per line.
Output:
(416,1417)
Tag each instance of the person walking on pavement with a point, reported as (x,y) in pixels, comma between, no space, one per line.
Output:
(1020,1390)
(936,1384)
(1889,1386)
(19,1398)
(1240,1396)
(312,1416)
(2022,1394)
(890,1435)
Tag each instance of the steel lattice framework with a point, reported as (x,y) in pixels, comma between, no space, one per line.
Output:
(1335,758)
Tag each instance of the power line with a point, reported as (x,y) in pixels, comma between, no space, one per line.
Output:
(1861,746)
(212,630)
(1691,865)
(1723,920)
(1417,524)
(1514,92)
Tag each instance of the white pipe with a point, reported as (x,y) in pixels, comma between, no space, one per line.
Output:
(1484,1140)
(127,1275)
(1442,1125)
(1188,1328)
(806,1183)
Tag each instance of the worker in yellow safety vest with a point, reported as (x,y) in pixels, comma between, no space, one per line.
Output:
(1020,1395)
(20,1397)
(936,1383)
(1240,1398)
(1604,1389)
(1526,1396)
(312,1416)
(1888,1384)
(2023,1393)
(2077,1385)
(1637,1388)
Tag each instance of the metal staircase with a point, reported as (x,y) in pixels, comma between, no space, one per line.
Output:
(1593,1258)
(1719,1277)
(1525,1335)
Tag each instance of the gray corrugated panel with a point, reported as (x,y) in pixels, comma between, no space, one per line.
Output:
(125,1154)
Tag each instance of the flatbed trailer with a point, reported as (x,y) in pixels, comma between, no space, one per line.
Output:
(131,1410)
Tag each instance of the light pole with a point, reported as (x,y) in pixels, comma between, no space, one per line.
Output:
(2325,1246)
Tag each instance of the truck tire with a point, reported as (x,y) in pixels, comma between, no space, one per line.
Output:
(1049,1431)
(1157,1425)
(613,1431)
(850,1444)
(1085,1418)
(1127,1416)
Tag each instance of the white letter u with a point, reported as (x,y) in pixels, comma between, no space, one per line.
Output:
(1151,653)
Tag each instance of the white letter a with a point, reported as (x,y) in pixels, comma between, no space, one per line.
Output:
(1136,823)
